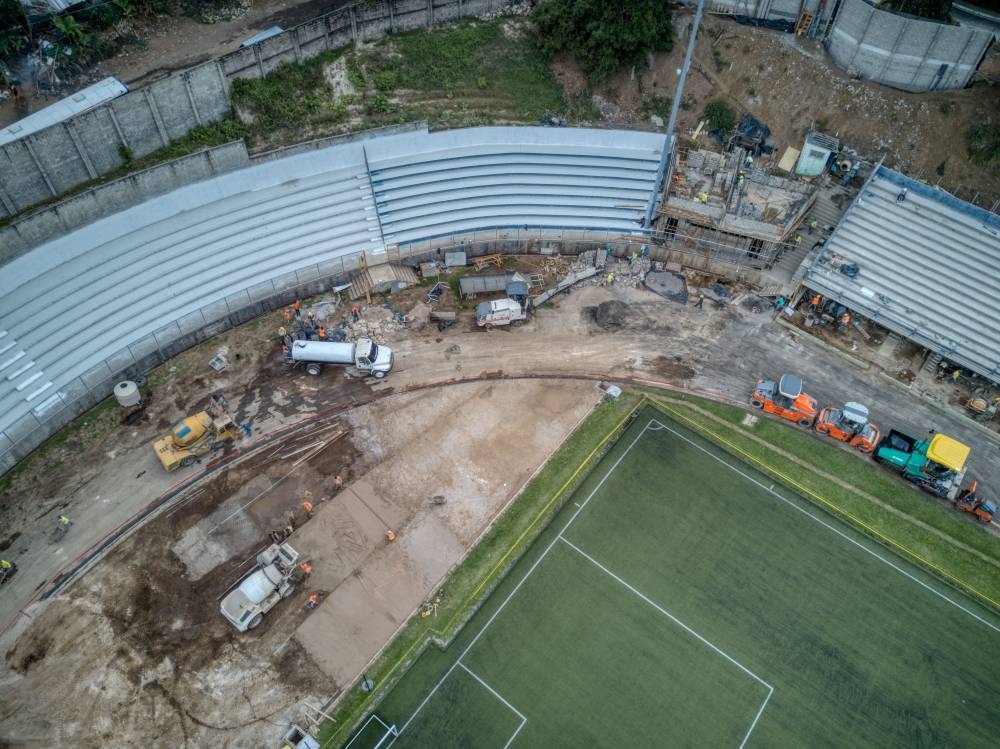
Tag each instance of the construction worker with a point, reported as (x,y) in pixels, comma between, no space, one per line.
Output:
(306,568)
(311,316)
(355,313)
(813,225)
(64,521)
(701,301)
(749,162)
(322,333)
(740,177)
(703,197)
(282,332)
(247,429)
(845,320)
(308,507)
(611,278)
(338,481)
(287,312)
(312,601)
(7,568)
(798,240)
(814,302)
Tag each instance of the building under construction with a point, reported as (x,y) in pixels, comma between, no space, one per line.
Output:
(729,213)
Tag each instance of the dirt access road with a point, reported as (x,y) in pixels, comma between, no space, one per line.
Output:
(135,653)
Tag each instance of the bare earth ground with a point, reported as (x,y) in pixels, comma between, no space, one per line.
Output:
(136,653)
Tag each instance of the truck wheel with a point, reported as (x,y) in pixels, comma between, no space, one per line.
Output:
(805,422)
(517,323)
(255,622)
(379,375)
(756,403)
(313,369)
(288,591)
(188,461)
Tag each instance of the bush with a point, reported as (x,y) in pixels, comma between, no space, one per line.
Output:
(720,117)
(603,36)
(983,142)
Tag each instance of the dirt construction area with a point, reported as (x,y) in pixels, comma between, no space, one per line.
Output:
(134,652)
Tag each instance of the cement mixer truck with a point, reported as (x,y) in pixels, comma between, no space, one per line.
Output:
(364,354)
(257,593)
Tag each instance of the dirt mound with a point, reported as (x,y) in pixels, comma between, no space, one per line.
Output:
(611,315)
(674,368)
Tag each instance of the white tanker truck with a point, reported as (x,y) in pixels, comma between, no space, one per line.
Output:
(364,354)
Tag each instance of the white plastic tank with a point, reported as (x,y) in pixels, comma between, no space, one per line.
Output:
(127,394)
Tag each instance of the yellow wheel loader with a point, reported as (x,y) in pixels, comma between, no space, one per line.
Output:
(197,435)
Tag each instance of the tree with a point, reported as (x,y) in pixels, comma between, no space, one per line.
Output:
(13,29)
(604,36)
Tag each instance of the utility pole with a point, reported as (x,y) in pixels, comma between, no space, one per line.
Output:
(664,171)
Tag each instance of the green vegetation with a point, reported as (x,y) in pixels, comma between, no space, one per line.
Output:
(484,567)
(658,105)
(463,75)
(937,10)
(677,598)
(604,37)
(720,117)
(983,142)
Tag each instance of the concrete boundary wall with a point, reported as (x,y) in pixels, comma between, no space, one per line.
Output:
(53,161)
(63,217)
(904,52)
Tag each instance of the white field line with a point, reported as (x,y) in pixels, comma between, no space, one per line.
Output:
(499,696)
(522,581)
(666,613)
(836,530)
(686,628)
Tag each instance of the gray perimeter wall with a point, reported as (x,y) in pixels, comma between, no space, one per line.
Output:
(908,53)
(53,161)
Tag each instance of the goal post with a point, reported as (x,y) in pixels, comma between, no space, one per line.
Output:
(372,729)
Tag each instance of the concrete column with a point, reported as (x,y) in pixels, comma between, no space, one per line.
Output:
(295,44)
(391,5)
(70,129)
(191,101)
(157,119)
(118,127)
(923,60)
(259,60)
(430,14)
(7,203)
(38,165)
(354,26)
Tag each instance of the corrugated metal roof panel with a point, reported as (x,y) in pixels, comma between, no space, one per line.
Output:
(929,268)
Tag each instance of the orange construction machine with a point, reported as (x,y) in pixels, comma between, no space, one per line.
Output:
(849,424)
(982,509)
(785,399)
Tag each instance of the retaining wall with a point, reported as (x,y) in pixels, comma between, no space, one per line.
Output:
(63,217)
(911,54)
(53,161)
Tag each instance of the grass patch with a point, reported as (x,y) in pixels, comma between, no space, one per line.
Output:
(472,581)
(953,564)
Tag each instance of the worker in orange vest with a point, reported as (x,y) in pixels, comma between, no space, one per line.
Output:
(322,333)
(308,507)
(306,568)
(355,313)
(312,601)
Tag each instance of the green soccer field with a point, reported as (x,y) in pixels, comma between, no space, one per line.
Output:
(681,599)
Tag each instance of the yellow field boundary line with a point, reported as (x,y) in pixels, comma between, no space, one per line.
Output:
(463,610)
(788,480)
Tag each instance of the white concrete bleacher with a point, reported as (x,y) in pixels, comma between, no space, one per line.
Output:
(79,310)
(456,182)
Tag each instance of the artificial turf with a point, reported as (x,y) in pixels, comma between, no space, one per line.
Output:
(682,599)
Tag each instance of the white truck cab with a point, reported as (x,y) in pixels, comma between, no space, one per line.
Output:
(500,312)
